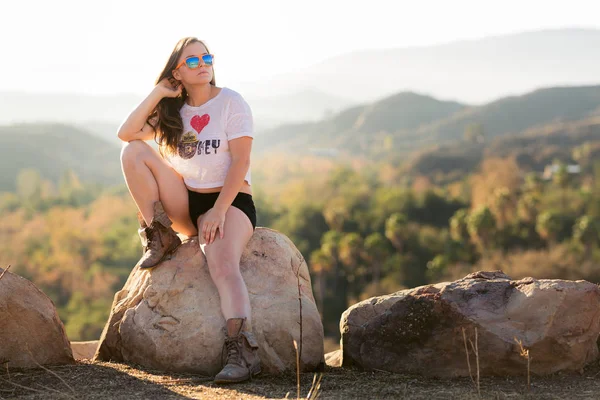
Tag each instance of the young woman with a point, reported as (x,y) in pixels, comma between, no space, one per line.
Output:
(198,183)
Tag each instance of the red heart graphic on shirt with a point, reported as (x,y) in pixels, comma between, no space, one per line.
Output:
(198,123)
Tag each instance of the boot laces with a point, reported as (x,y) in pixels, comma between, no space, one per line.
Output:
(154,239)
(234,354)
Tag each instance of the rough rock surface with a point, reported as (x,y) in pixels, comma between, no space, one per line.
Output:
(334,358)
(31,333)
(420,330)
(169,318)
(84,350)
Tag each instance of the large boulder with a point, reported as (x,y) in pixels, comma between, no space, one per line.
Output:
(420,330)
(31,333)
(169,318)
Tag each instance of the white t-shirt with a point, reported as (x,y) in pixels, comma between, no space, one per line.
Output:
(203,157)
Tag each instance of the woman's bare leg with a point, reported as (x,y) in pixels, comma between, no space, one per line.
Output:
(223,257)
(149,179)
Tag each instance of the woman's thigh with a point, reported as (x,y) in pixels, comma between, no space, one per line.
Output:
(227,251)
(172,191)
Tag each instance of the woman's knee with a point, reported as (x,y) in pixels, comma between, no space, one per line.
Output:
(133,151)
(224,270)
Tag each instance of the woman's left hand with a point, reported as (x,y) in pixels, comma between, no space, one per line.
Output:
(213,220)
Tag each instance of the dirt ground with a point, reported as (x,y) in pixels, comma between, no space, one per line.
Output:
(87,380)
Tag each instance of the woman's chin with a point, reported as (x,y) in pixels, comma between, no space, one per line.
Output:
(200,82)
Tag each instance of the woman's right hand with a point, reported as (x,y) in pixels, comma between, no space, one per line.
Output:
(169,87)
(135,126)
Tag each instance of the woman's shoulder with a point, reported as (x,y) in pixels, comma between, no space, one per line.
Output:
(235,100)
(231,93)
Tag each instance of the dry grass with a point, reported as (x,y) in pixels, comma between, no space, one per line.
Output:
(3,272)
(476,351)
(87,380)
(525,353)
(313,392)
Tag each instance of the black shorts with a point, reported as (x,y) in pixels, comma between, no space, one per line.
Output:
(202,202)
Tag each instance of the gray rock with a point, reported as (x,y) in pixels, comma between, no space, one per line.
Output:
(420,330)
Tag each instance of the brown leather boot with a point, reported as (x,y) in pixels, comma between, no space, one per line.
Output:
(159,239)
(241,359)
(142,230)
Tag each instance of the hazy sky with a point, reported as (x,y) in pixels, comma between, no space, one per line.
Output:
(121,46)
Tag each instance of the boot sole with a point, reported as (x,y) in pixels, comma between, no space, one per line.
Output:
(239,380)
(167,253)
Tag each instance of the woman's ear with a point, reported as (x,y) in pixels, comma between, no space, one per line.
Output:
(176,74)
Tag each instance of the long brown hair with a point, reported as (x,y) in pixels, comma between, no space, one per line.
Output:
(165,118)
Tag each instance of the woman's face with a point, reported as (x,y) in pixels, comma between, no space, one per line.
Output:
(201,75)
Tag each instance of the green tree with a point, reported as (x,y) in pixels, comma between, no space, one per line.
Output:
(502,204)
(396,230)
(481,225)
(337,302)
(350,250)
(528,206)
(459,230)
(376,251)
(321,263)
(586,231)
(330,243)
(29,185)
(474,133)
(594,202)
(387,201)
(561,179)
(533,183)
(549,225)
(336,212)
(437,267)
(304,224)
(582,153)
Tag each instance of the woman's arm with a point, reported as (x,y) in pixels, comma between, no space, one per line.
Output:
(240,133)
(240,162)
(135,126)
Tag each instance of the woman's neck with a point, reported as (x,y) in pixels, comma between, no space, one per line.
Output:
(199,94)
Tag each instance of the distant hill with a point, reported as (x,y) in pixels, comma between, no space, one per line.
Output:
(517,113)
(533,149)
(408,122)
(474,71)
(54,148)
(360,127)
(537,147)
(403,111)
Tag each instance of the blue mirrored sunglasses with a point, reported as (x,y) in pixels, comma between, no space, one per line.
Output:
(193,62)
